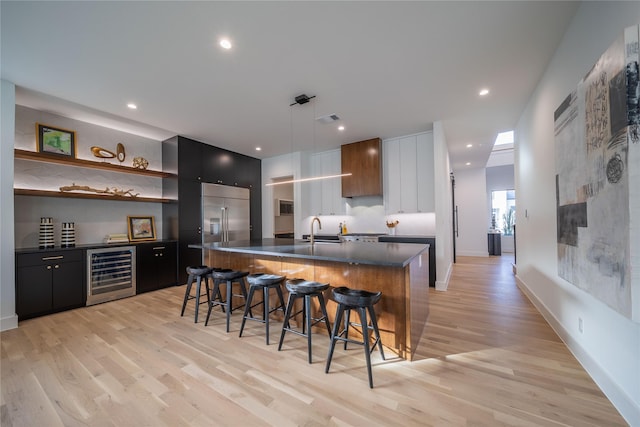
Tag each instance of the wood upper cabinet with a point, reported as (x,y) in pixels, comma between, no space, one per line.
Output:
(364,161)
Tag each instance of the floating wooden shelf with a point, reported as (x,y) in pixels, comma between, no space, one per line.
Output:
(71,195)
(49,158)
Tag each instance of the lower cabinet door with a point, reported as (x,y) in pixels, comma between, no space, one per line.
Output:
(156,267)
(68,289)
(34,292)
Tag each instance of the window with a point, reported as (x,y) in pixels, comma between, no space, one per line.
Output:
(503,211)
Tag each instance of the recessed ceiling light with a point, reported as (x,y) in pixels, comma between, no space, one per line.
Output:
(225,43)
(132,106)
(468,164)
(483,92)
(340,128)
(469,145)
(258,148)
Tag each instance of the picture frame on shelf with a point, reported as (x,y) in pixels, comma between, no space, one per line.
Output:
(55,140)
(141,228)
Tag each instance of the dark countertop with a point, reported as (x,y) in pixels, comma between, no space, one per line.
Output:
(88,246)
(385,254)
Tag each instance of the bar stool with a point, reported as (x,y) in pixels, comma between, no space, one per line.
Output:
(300,288)
(197,274)
(264,282)
(362,301)
(229,277)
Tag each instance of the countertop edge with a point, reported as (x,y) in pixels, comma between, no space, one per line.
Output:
(267,252)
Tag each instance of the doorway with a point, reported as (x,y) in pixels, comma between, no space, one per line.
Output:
(283,208)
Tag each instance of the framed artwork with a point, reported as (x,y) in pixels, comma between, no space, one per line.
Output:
(52,140)
(141,228)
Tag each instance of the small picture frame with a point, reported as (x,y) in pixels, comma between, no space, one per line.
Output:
(54,140)
(141,228)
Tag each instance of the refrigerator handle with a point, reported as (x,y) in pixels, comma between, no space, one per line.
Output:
(225,219)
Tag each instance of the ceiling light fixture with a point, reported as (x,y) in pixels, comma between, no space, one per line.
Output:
(225,43)
(132,106)
(483,92)
(469,145)
(340,128)
(258,148)
(468,164)
(300,100)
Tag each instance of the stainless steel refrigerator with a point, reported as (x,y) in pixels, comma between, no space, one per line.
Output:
(225,213)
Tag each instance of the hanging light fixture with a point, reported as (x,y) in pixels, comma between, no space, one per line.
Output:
(300,100)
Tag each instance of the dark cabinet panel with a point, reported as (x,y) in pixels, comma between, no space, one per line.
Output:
(189,159)
(156,266)
(364,161)
(66,284)
(189,205)
(49,281)
(196,163)
(34,293)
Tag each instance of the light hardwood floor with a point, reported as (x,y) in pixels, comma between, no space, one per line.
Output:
(486,358)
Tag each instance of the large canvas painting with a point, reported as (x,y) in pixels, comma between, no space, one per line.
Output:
(598,179)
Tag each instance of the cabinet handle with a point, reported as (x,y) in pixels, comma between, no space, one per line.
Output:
(49,258)
(158,248)
(56,266)
(48,267)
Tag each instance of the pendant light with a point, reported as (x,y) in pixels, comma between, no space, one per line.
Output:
(299,100)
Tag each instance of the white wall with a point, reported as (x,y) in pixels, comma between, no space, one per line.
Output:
(471,199)
(444,209)
(94,219)
(8,318)
(609,347)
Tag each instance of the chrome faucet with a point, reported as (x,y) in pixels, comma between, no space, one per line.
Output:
(315,218)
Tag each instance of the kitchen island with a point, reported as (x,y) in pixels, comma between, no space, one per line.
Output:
(400,271)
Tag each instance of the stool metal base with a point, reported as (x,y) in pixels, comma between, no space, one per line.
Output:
(197,274)
(304,291)
(227,305)
(266,283)
(362,308)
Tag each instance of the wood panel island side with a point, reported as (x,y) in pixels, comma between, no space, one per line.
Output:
(399,270)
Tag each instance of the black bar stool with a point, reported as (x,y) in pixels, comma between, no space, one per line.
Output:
(197,274)
(229,277)
(362,301)
(264,282)
(300,288)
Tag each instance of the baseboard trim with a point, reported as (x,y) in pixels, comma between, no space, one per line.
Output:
(473,253)
(443,285)
(629,410)
(9,322)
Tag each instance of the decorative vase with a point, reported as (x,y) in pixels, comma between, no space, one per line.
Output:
(68,238)
(392,231)
(46,233)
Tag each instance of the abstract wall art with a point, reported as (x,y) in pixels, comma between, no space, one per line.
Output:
(597,150)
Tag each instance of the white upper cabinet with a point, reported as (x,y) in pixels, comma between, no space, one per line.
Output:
(326,194)
(408,174)
(424,172)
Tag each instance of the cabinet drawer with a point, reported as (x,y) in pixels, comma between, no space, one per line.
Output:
(38,258)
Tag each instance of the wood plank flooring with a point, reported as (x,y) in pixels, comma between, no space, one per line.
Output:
(486,358)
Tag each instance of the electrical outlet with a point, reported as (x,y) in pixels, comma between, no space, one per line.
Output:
(580,325)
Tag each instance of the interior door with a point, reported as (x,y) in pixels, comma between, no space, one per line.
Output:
(454,210)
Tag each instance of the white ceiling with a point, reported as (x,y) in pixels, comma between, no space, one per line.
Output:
(386,69)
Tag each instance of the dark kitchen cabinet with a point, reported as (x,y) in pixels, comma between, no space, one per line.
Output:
(363,160)
(49,281)
(156,266)
(194,163)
